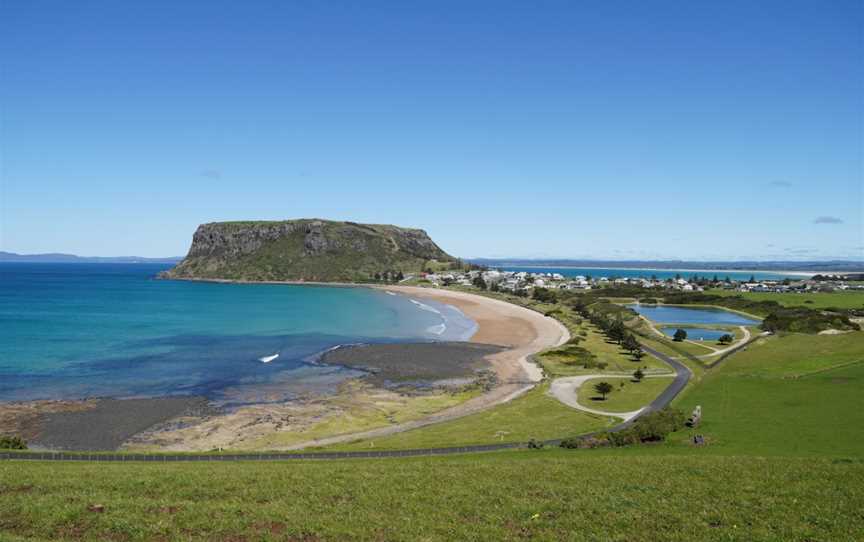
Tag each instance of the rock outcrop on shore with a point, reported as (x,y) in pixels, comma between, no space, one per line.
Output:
(305,250)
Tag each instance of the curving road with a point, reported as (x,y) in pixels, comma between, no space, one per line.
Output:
(566,389)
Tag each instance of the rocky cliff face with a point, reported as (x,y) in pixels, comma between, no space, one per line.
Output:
(306,249)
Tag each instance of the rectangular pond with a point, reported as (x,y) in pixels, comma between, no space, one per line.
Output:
(696,333)
(664,314)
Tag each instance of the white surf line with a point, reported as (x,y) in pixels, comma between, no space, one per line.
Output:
(424,306)
(268,359)
(437,330)
(565,390)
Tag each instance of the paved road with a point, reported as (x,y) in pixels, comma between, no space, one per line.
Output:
(682,375)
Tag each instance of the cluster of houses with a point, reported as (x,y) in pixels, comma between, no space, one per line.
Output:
(516,281)
(799,286)
(521,281)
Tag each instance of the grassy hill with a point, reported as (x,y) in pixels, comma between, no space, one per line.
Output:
(528,495)
(305,249)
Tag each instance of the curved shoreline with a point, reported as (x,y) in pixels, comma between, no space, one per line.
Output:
(521,331)
(525,332)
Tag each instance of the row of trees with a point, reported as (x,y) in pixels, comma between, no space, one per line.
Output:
(616,331)
(389,276)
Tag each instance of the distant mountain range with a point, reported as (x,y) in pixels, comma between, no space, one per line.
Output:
(846,266)
(71,258)
(803,266)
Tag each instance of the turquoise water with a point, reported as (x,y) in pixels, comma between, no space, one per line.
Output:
(79,330)
(680,315)
(662,274)
(697,333)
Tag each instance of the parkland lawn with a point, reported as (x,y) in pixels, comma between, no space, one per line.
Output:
(537,495)
(534,415)
(626,395)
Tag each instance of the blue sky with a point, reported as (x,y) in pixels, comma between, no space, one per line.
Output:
(693,130)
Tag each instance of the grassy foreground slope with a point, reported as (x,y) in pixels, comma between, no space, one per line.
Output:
(538,495)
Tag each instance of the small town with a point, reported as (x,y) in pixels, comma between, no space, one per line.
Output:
(523,282)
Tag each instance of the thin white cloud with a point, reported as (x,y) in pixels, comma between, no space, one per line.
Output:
(827,220)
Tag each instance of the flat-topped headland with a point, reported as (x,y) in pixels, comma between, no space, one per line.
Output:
(309,250)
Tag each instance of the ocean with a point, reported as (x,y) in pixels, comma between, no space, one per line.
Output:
(70,331)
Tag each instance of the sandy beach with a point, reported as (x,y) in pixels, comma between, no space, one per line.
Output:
(522,331)
(310,421)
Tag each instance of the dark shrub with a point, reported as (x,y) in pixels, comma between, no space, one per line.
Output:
(584,442)
(9,442)
(653,427)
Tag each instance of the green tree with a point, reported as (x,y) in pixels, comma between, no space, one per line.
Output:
(630,343)
(479,282)
(639,353)
(617,331)
(603,388)
(638,375)
(726,339)
(680,335)
(545,295)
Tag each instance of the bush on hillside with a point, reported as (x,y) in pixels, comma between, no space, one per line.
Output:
(11,442)
(585,442)
(652,427)
(544,295)
(804,320)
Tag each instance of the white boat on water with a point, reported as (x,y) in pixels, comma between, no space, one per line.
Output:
(268,359)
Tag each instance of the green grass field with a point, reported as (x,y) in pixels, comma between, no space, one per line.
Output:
(626,398)
(816,300)
(529,495)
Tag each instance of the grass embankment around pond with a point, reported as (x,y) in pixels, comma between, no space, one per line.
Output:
(537,495)
(626,395)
